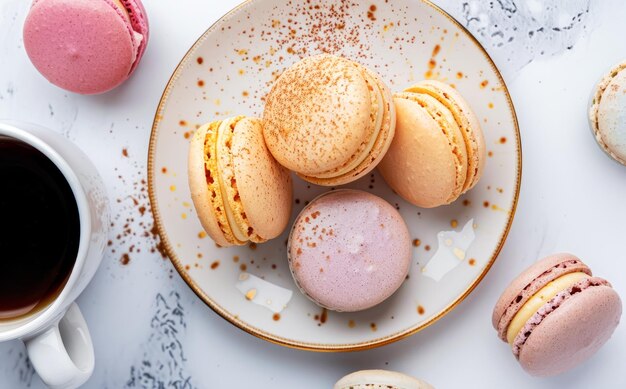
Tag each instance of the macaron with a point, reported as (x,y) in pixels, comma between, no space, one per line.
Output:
(380,379)
(556,314)
(438,152)
(86,46)
(239,191)
(349,250)
(329,119)
(607,113)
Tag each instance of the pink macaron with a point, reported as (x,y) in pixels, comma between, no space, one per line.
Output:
(349,250)
(86,46)
(555,315)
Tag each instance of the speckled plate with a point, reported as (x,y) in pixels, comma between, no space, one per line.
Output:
(229,71)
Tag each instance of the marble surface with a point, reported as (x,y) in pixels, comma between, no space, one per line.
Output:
(150,330)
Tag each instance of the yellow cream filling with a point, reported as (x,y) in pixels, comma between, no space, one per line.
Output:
(230,214)
(370,145)
(544,295)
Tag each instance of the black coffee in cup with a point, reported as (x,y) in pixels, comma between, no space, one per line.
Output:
(39,230)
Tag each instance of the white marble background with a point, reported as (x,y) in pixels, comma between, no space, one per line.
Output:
(149,329)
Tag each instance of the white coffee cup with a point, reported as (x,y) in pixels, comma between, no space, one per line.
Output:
(57,338)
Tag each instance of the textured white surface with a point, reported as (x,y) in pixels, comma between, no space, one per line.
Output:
(149,328)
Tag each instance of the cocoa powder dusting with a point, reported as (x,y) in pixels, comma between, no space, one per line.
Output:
(325,29)
(132,223)
(322,317)
(125,260)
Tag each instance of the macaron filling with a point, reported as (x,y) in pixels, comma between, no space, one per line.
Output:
(214,185)
(223,132)
(446,128)
(233,208)
(545,294)
(376,116)
(567,266)
(550,307)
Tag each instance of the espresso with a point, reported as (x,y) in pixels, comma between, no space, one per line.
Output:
(39,230)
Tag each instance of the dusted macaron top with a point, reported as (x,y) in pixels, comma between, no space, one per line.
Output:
(319,113)
(86,46)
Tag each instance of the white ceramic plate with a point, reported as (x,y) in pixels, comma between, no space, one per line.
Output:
(229,71)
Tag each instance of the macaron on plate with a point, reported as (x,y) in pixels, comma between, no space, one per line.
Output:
(246,277)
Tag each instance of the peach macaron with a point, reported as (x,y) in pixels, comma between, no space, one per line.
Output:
(239,191)
(438,152)
(329,119)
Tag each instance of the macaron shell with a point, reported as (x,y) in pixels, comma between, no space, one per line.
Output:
(381,144)
(83,46)
(467,121)
(451,130)
(199,188)
(380,379)
(608,114)
(265,187)
(317,114)
(572,333)
(346,266)
(530,282)
(420,164)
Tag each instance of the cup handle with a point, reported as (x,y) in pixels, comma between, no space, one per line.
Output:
(63,355)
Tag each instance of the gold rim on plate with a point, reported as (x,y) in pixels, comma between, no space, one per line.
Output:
(314,346)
